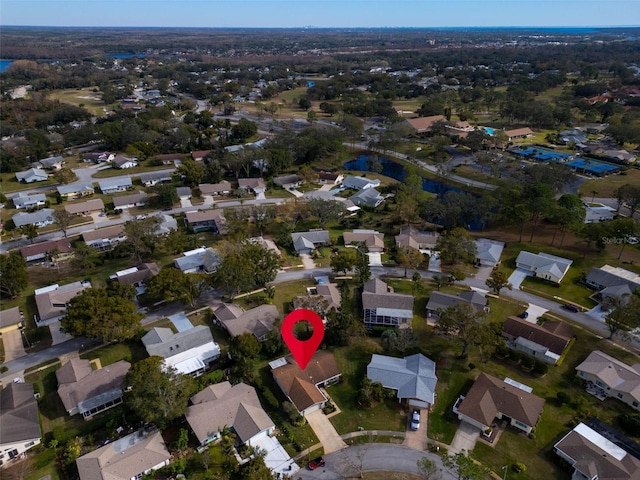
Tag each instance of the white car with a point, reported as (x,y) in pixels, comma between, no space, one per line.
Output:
(415,419)
(140,217)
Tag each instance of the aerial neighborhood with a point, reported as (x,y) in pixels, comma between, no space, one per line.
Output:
(463,216)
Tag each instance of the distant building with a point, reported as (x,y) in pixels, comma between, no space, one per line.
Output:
(360,183)
(11,319)
(288,181)
(425,124)
(489,252)
(105,239)
(414,238)
(255,185)
(138,199)
(98,157)
(307,242)
(73,191)
(49,163)
(367,198)
(214,189)
(598,212)
(207,220)
(136,276)
(113,185)
(151,179)
(439,301)
(517,133)
(123,162)
(60,249)
(85,208)
(373,240)
(546,342)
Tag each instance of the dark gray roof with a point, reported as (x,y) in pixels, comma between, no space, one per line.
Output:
(489,250)
(358,183)
(412,377)
(369,197)
(73,188)
(208,260)
(18,414)
(110,183)
(378,295)
(604,278)
(164,343)
(287,179)
(440,300)
(39,216)
(304,240)
(155,176)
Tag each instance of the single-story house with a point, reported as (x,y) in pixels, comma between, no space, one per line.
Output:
(123,162)
(19,420)
(360,183)
(169,158)
(94,205)
(543,265)
(113,185)
(598,452)
(39,218)
(439,301)
(49,163)
(214,189)
(302,387)
(236,407)
(199,260)
(136,276)
(138,199)
(73,191)
(598,212)
(25,200)
(184,193)
(189,351)
(382,307)
(105,239)
(39,251)
(418,239)
(413,378)
(255,185)
(87,391)
(258,321)
(127,458)
(321,298)
(330,178)
(307,242)
(166,225)
(491,398)
(519,133)
(265,243)
(367,198)
(546,342)
(372,239)
(609,377)
(608,276)
(288,181)
(11,319)
(153,178)
(489,252)
(198,155)
(207,220)
(425,124)
(98,157)
(52,301)
(32,175)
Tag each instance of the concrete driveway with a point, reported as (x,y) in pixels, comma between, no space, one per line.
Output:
(375,259)
(535,312)
(307,261)
(325,432)
(417,439)
(517,277)
(12,343)
(56,335)
(185,203)
(465,438)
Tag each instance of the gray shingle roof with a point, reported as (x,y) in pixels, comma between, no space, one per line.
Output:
(412,377)
(40,216)
(111,183)
(440,300)
(358,183)
(18,414)
(369,197)
(378,295)
(164,343)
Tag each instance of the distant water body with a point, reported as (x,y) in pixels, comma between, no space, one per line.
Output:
(4,64)
(121,56)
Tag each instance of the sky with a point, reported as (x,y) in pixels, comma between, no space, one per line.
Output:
(321,13)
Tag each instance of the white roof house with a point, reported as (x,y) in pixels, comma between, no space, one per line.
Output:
(543,265)
(199,260)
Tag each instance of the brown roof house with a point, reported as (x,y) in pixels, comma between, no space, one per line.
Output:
(39,251)
(258,321)
(420,240)
(609,377)
(52,300)
(372,239)
(19,420)
(136,276)
(598,452)
(255,185)
(85,208)
(321,298)
(207,220)
(127,458)
(138,199)
(544,342)
(302,387)
(11,319)
(519,133)
(425,124)
(491,398)
(87,391)
(105,239)
(223,405)
(383,307)
(213,189)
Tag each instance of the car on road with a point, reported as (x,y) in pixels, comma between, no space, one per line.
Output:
(140,217)
(316,463)
(415,419)
(570,307)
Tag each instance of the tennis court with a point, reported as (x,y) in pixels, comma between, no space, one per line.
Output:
(541,154)
(592,167)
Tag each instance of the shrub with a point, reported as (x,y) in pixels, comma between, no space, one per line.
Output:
(630,423)
(270,398)
(562,398)
(472,366)
(519,467)
(540,368)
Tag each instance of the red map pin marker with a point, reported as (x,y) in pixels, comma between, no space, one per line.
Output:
(301,350)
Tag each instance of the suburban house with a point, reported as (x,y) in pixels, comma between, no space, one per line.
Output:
(611,278)
(52,301)
(58,249)
(413,378)
(221,406)
(168,158)
(214,189)
(330,178)
(73,191)
(113,185)
(184,193)
(265,243)
(425,124)
(198,155)
(151,179)
(368,198)
(307,242)
(105,239)
(543,265)
(382,307)
(98,157)
(598,452)
(598,212)
(19,420)
(49,163)
(321,298)
(166,225)
(206,220)
(490,399)
(123,162)
(32,175)
(288,181)
(11,319)
(439,301)
(360,183)
(87,391)
(258,321)
(255,185)
(414,238)
(302,387)
(138,199)
(546,342)
(136,276)
(489,252)
(39,218)
(189,351)
(609,377)
(127,458)
(199,260)
(517,133)
(25,200)
(94,205)
(373,240)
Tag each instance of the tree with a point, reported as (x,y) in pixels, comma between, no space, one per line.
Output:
(156,392)
(167,195)
(463,323)
(428,469)
(325,210)
(624,317)
(456,246)
(265,263)
(63,219)
(497,281)
(191,172)
(85,256)
(409,257)
(64,176)
(173,285)
(244,129)
(344,261)
(142,237)
(234,275)
(464,467)
(312,116)
(30,231)
(13,275)
(177,241)
(100,313)
(539,199)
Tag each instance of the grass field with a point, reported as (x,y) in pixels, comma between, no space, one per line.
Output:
(85,97)
(607,186)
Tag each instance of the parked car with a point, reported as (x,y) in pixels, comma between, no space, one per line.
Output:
(140,217)
(415,419)
(570,307)
(523,315)
(316,463)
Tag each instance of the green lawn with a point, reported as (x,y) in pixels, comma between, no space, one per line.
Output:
(130,351)
(607,186)
(87,97)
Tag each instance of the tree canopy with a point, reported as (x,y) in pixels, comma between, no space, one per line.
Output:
(13,275)
(456,246)
(173,285)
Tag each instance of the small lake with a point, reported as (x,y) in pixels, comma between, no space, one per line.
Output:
(124,55)
(4,64)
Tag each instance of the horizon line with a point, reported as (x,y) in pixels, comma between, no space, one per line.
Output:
(311,27)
